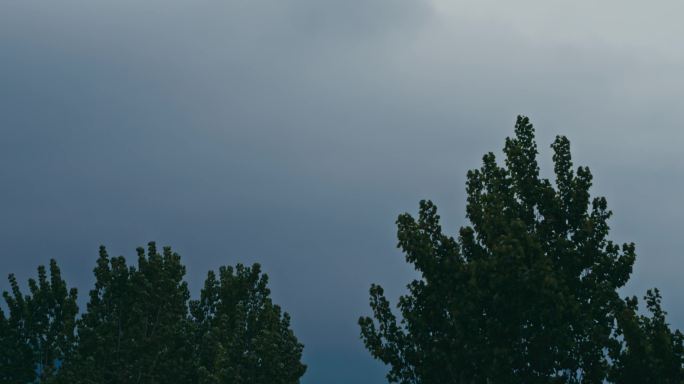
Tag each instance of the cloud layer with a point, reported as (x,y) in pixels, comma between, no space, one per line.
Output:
(293,132)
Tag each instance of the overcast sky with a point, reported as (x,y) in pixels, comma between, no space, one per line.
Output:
(292,133)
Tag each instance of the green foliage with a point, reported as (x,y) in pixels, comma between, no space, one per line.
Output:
(39,333)
(527,293)
(16,360)
(242,336)
(137,328)
(649,351)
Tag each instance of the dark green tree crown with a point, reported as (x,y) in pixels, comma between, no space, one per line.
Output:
(40,330)
(141,327)
(242,336)
(527,293)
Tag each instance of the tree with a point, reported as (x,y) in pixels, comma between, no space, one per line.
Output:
(135,329)
(527,293)
(649,351)
(39,333)
(16,360)
(242,337)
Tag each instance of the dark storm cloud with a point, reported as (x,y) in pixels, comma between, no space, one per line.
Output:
(293,132)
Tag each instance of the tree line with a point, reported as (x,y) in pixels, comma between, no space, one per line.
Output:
(140,326)
(527,292)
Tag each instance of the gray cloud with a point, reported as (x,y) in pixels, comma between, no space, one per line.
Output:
(293,132)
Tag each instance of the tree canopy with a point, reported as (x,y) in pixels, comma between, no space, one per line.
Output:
(39,332)
(527,292)
(242,337)
(140,326)
(136,327)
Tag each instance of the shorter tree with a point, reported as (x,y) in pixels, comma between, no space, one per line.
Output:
(135,329)
(39,334)
(242,337)
(16,360)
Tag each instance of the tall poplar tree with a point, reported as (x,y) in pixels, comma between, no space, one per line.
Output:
(526,293)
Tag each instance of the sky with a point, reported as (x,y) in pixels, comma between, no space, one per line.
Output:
(293,132)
